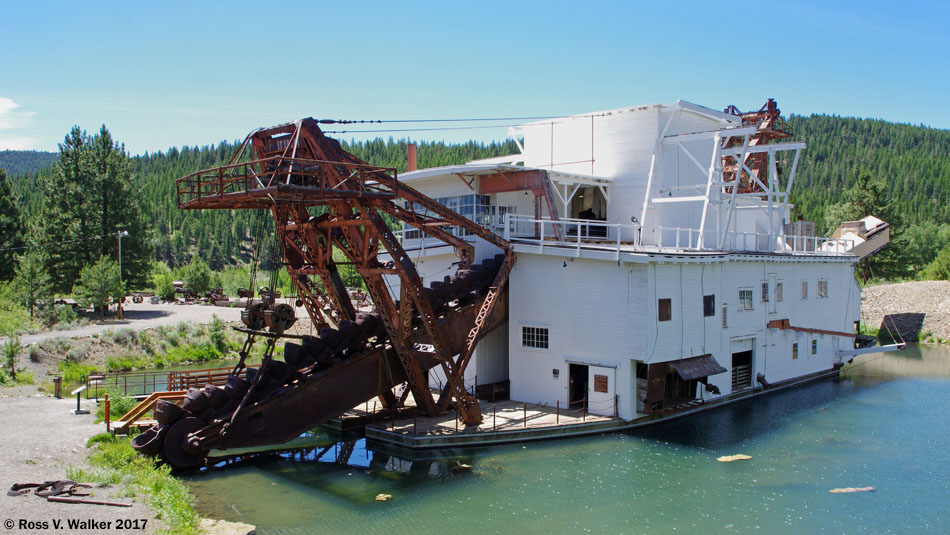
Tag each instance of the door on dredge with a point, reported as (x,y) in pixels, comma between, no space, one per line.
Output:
(577,391)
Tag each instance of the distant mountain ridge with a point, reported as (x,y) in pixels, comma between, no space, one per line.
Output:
(21,162)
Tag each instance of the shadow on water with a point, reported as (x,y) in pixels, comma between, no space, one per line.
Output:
(345,467)
(734,424)
(737,423)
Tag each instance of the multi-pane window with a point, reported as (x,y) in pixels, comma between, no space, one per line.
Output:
(822,288)
(765,292)
(795,351)
(745,299)
(664,309)
(778,292)
(534,337)
(709,305)
(474,207)
(804,289)
(725,323)
(814,346)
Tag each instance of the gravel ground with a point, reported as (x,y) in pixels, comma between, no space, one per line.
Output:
(143,316)
(28,456)
(929,298)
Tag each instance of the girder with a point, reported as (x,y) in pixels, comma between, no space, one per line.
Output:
(294,170)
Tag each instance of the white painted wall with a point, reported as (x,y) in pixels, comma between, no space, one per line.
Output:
(593,312)
(602,314)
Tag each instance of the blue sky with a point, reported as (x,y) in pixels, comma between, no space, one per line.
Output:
(195,73)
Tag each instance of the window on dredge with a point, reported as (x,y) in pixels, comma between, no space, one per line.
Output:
(536,337)
(664,309)
(745,299)
(709,305)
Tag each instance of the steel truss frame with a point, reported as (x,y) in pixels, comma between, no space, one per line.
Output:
(321,198)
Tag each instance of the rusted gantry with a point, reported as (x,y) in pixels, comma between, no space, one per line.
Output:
(323,198)
(769,127)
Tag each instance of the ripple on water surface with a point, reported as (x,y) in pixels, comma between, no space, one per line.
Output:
(885,424)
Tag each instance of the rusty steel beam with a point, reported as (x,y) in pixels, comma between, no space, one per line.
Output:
(477,330)
(784,325)
(296,166)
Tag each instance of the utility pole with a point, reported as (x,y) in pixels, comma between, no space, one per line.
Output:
(118,236)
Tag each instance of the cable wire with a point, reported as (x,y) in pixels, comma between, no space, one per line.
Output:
(58,242)
(417,129)
(472,119)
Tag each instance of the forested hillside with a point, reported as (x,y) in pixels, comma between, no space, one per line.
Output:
(20,162)
(914,161)
(908,165)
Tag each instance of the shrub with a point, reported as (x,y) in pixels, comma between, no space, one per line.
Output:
(173,339)
(11,351)
(24,378)
(119,404)
(74,372)
(125,362)
(147,342)
(217,334)
(192,353)
(125,336)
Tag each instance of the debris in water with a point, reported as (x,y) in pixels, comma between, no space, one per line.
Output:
(383,497)
(852,489)
(736,457)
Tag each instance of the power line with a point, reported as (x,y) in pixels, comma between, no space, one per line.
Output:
(57,242)
(473,119)
(417,129)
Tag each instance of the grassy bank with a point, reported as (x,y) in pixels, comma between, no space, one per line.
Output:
(116,463)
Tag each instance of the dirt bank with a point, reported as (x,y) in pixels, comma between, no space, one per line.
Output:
(923,303)
(141,316)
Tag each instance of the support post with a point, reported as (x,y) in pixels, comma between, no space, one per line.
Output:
(107,414)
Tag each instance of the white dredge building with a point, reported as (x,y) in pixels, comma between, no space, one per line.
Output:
(659,265)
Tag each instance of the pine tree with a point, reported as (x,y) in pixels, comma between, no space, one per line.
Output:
(11,229)
(89,193)
(32,281)
(98,283)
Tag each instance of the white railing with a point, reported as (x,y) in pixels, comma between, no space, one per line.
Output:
(584,234)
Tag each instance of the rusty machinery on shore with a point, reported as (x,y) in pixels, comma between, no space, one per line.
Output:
(324,199)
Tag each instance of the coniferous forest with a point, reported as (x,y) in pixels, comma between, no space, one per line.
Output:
(898,172)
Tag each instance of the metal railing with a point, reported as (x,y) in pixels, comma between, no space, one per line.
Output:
(263,173)
(147,382)
(583,234)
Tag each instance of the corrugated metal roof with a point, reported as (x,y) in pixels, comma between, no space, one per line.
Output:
(696,367)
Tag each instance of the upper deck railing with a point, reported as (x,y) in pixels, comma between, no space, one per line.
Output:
(582,234)
(589,235)
(241,183)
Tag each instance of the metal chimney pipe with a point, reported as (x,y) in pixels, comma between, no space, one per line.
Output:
(411,156)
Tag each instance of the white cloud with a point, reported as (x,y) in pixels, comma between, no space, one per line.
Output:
(11,118)
(17,143)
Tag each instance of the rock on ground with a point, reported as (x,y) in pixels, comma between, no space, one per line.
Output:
(223,527)
(929,298)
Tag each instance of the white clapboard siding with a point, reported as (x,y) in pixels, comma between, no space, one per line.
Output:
(593,310)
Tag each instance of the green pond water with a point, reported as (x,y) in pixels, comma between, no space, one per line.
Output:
(884,424)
